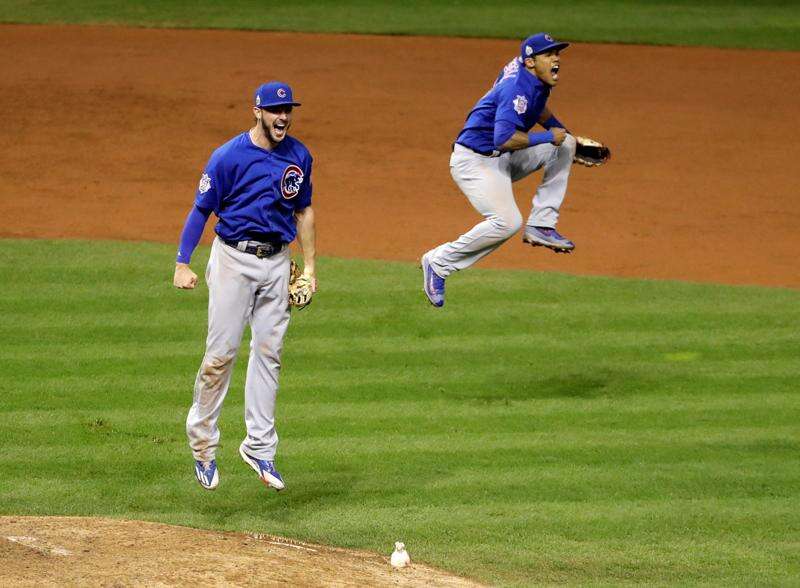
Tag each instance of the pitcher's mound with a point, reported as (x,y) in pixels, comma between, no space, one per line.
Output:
(38,551)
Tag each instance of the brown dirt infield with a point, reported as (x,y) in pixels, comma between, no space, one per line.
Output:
(104,132)
(80,551)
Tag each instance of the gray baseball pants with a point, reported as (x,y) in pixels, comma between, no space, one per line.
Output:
(487,183)
(242,289)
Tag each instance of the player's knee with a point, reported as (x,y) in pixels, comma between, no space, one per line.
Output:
(264,349)
(507,224)
(218,364)
(215,369)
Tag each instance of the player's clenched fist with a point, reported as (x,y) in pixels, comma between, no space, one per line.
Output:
(559,135)
(184,277)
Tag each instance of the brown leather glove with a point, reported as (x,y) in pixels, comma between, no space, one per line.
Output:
(300,288)
(590,153)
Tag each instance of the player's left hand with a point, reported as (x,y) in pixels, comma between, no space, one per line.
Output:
(559,135)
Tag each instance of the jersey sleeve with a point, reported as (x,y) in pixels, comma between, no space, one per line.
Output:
(211,188)
(192,231)
(503,131)
(512,104)
(306,188)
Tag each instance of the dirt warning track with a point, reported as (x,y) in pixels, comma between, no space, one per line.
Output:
(104,132)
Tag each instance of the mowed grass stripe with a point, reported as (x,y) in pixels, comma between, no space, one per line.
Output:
(767,24)
(542,428)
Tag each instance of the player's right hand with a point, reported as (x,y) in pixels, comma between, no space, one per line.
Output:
(184,277)
(559,135)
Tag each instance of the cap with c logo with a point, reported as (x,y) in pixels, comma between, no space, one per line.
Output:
(540,43)
(274,94)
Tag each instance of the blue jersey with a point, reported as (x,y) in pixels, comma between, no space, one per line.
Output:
(256,192)
(517,97)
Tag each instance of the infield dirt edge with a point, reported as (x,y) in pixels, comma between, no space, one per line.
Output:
(99,551)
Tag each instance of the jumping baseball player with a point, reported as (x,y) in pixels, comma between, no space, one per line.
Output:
(496,148)
(258,185)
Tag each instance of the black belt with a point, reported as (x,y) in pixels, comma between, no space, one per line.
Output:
(494,153)
(258,248)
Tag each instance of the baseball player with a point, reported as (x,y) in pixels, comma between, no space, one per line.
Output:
(496,148)
(258,185)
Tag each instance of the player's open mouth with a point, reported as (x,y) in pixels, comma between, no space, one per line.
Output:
(280,128)
(554,71)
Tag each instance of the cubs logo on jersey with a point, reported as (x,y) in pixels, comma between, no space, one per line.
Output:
(291,180)
(520,104)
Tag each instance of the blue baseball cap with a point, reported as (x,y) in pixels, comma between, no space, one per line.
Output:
(274,94)
(540,43)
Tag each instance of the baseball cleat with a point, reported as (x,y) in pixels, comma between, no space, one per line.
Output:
(547,237)
(265,469)
(432,283)
(206,473)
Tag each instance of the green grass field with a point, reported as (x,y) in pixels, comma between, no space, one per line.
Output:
(541,428)
(771,24)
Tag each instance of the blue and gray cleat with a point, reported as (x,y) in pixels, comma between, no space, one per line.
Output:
(547,237)
(206,473)
(432,283)
(265,469)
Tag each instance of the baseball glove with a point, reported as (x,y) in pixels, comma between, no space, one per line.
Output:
(590,153)
(300,291)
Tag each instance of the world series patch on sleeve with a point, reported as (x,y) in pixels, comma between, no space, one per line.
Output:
(590,153)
